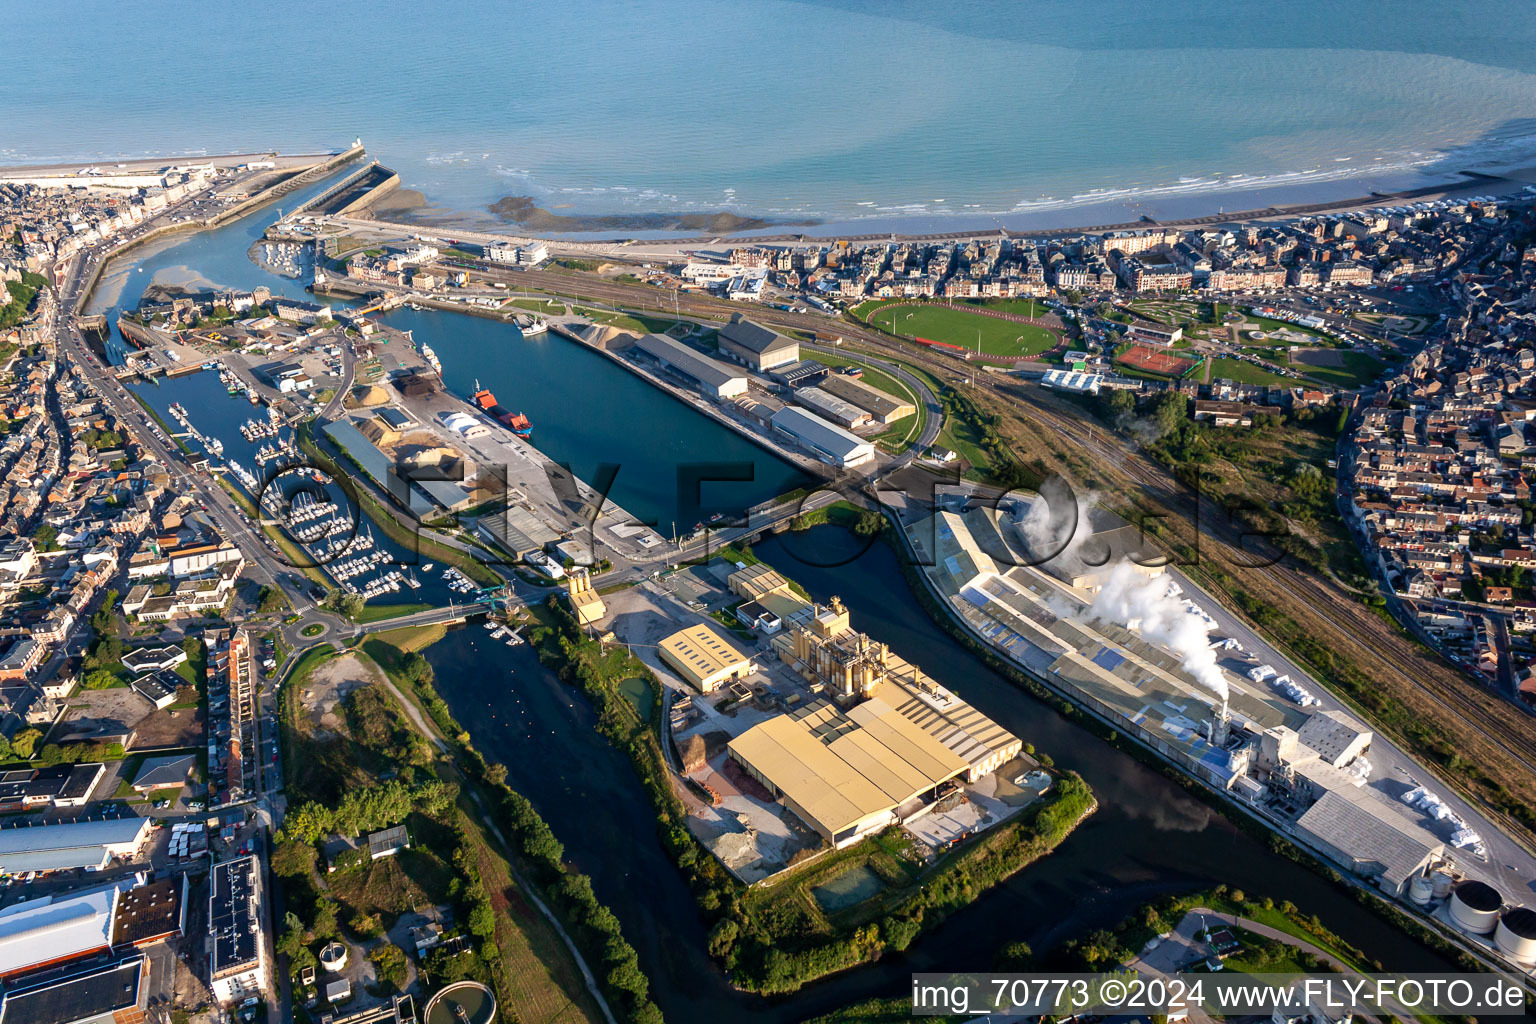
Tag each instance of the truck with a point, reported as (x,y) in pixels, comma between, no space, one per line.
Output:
(172,356)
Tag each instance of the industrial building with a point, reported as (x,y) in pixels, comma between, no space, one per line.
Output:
(757,346)
(703,658)
(586,604)
(709,376)
(399,1010)
(850,666)
(74,958)
(1073,380)
(882,408)
(91,845)
(829,407)
(827,441)
(1366,835)
(61,785)
(53,929)
(1306,769)
(754,582)
(110,987)
(237,953)
(846,774)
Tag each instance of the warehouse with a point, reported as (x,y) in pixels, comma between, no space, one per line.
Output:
(1357,830)
(827,441)
(701,657)
(757,346)
(51,929)
(74,844)
(882,408)
(830,407)
(709,376)
(846,774)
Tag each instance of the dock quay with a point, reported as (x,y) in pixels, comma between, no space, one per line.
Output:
(571,327)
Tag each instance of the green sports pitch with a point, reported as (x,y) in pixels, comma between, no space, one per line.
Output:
(962,329)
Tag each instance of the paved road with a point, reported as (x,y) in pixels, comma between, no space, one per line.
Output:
(1184,946)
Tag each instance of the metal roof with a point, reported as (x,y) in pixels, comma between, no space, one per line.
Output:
(701,651)
(1377,838)
(67,844)
(825,437)
(687,361)
(842,769)
(54,927)
(754,337)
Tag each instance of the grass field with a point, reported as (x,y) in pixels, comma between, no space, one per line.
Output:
(375,612)
(549,307)
(958,327)
(1358,369)
(1245,373)
(413,638)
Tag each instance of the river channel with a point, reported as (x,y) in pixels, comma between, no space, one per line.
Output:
(1149,837)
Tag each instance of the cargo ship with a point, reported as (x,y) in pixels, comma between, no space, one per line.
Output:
(516,422)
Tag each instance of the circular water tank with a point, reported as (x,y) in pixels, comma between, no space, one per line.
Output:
(1421,890)
(1517,935)
(1443,883)
(333,957)
(1475,907)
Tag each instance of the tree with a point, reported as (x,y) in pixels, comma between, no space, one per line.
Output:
(350,605)
(46,537)
(326,925)
(389,961)
(869,524)
(24,743)
(1168,412)
(482,920)
(496,774)
(1121,403)
(292,860)
(723,936)
(1016,956)
(270,599)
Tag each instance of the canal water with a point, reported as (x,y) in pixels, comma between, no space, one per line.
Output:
(587,411)
(1150,837)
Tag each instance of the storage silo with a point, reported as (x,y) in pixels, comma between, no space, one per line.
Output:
(1516,935)
(1443,883)
(1475,907)
(1421,890)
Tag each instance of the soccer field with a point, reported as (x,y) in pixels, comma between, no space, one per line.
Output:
(962,329)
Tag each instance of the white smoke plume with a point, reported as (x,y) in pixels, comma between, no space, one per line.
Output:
(1159,615)
(1056,524)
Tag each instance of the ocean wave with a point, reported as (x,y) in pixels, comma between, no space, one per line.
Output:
(1514,149)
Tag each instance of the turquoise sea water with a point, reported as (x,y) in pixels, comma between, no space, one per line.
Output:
(965,111)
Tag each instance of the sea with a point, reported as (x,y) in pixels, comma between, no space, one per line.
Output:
(859,114)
